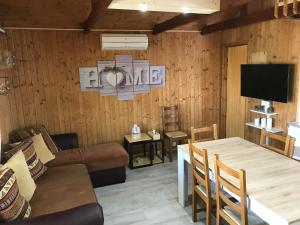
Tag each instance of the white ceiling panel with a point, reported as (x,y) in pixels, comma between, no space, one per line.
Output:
(187,6)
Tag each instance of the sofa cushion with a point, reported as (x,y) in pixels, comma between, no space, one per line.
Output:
(105,156)
(20,135)
(96,158)
(67,157)
(42,150)
(62,188)
(36,167)
(13,206)
(25,182)
(46,136)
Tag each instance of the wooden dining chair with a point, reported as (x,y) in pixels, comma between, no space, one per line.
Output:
(171,129)
(267,137)
(232,209)
(200,132)
(201,188)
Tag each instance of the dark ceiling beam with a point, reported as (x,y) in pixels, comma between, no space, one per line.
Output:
(228,4)
(228,7)
(98,6)
(244,11)
(176,21)
(260,16)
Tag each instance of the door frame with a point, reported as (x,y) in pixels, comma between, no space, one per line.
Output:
(223,84)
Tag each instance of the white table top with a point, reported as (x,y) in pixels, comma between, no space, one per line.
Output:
(273,180)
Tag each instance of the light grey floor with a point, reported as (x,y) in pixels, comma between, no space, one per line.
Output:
(149,197)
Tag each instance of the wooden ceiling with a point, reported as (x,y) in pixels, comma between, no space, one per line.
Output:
(44,13)
(72,14)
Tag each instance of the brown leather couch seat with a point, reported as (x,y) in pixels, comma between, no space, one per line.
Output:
(96,158)
(106,163)
(62,188)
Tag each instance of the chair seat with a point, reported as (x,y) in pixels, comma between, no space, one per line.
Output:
(252,218)
(176,134)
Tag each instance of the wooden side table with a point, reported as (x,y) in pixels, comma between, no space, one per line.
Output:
(157,157)
(153,156)
(136,160)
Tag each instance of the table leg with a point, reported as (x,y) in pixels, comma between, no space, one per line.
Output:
(163,151)
(130,156)
(125,144)
(152,154)
(182,179)
(170,149)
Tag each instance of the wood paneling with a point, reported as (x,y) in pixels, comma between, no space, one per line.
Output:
(72,13)
(46,81)
(46,85)
(5,113)
(236,104)
(5,119)
(276,41)
(45,13)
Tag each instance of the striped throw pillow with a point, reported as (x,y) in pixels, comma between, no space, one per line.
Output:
(36,167)
(13,206)
(41,129)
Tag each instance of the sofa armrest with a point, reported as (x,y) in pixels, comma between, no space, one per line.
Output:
(90,214)
(66,141)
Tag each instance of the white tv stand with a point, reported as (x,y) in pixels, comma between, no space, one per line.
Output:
(267,115)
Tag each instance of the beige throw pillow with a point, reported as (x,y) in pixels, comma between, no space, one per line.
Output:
(36,167)
(24,180)
(41,149)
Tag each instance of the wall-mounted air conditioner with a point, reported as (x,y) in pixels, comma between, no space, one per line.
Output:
(124,42)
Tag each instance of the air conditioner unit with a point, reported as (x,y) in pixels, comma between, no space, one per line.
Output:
(124,42)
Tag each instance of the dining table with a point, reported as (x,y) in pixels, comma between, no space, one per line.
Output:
(273,180)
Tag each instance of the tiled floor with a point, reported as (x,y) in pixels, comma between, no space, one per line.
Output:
(149,197)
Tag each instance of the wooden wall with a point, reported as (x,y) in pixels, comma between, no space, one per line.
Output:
(5,118)
(46,86)
(276,41)
(46,80)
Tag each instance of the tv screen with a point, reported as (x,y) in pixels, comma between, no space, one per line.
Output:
(270,82)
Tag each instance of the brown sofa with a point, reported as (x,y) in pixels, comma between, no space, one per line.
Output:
(64,196)
(62,188)
(105,162)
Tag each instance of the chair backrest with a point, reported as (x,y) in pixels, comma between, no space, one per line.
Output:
(267,137)
(203,130)
(170,118)
(200,170)
(223,178)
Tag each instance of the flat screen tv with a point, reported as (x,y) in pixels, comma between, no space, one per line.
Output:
(270,82)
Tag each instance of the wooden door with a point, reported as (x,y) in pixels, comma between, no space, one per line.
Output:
(235,117)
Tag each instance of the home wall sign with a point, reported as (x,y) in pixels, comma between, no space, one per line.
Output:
(123,77)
